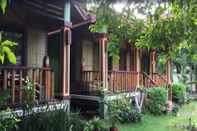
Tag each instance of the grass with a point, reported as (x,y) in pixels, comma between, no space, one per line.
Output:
(165,122)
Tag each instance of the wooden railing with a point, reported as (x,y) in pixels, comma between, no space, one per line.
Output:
(159,79)
(118,81)
(122,81)
(90,81)
(13,80)
(146,80)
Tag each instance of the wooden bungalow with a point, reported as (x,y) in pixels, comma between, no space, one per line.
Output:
(42,30)
(57,51)
(93,71)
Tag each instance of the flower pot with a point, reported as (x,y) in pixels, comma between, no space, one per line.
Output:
(113,129)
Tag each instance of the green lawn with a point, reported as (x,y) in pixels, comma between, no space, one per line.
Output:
(165,123)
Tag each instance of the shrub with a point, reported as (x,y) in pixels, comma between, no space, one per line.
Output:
(157,99)
(7,123)
(179,93)
(95,124)
(176,108)
(131,115)
(124,111)
(58,120)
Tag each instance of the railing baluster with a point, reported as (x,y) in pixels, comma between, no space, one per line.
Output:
(52,84)
(13,86)
(20,85)
(46,84)
(5,79)
(41,88)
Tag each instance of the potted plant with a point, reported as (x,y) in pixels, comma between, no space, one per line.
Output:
(113,115)
(114,120)
(96,124)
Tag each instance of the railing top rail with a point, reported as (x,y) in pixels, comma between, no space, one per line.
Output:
(147,76)
(161,76)
(112,71)
(118,71)
(90,71)
(24,68)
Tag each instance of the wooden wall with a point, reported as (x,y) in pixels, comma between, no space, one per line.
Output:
(90,55)
(36,47)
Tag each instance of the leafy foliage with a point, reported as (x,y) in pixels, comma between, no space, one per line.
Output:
(96,124)
(6,45)
(28,90)
(130,115)
(122,27)
(157,99)
(113,113)
(123,111)
(179,93)
(7,123)
(5,51)
(3,5)
(58,120)
(170,28)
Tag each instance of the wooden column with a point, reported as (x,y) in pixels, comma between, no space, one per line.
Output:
(66,62)
(152,63)
(103,59)
(169,79)
(138,65)
(47,75)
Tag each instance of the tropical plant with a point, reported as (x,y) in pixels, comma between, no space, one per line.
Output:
(156,100)
(5,50)
(179,93)
(130,115)
(3,5)
(6,45)
(28,90)
(57,120)
(113,111)
(7,122)
(96,124)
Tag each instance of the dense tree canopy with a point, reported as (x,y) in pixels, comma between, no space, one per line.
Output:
(168,28)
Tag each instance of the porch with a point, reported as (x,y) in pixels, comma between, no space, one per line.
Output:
(117,82)
(13,79)
(92,69)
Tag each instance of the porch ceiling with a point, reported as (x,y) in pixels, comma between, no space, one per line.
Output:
(47,14)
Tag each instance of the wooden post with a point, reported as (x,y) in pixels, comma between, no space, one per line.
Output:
(169,79)
(152,64)
(103,60)
(5,79)
(20,84)
(138,66)
(66,62)
(47,78)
